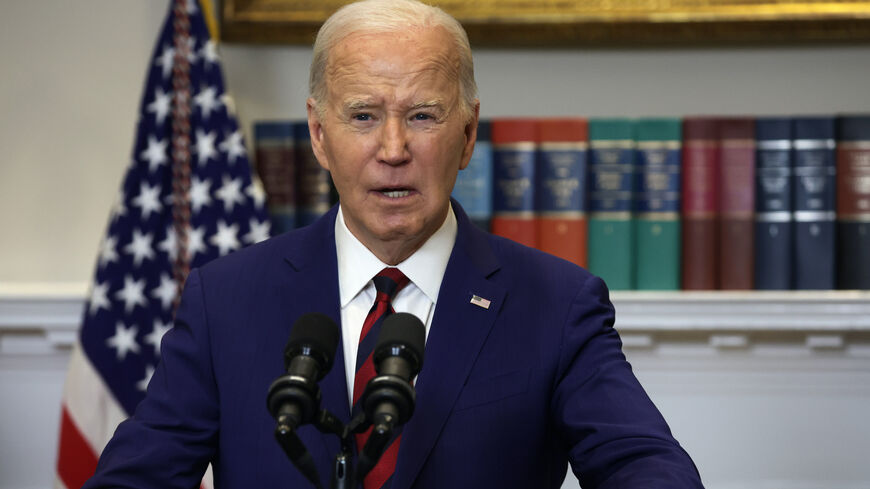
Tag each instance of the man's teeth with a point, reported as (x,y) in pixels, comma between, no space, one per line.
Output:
(395,194)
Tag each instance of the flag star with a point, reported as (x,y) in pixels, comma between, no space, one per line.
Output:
(132,294)
(190,49)
(155,153)
(153,338)
(209,53)
(195,242)
(205,146)
(200,193)
(107,250)
(118,208)
(166,291)
(208,101)
(256,192)
(170,244)
(142,385)
(165,60)
(99,299)
(124,340)
(161,105)
(234,146)
(148,199)
(140,247)
(259,231)
(231,193)
(226,237)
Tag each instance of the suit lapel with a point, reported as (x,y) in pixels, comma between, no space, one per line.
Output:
(459,329)
(314,288)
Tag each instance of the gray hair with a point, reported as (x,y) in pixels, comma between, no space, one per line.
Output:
(377,16)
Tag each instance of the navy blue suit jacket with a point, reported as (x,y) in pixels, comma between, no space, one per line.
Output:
(508,395)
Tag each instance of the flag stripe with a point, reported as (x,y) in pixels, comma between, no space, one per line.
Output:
(80,461)
(88,402)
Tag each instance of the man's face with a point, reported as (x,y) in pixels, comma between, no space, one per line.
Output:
(393,135)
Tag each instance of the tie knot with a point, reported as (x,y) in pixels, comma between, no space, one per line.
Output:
(389,281)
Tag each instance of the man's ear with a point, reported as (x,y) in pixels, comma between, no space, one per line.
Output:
(315,129)
(470,135)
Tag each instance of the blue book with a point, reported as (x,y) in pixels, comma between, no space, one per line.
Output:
(814,203)
(853,201)
(513,180)
(773,204)
(276,167)
(473,189)
(313,183)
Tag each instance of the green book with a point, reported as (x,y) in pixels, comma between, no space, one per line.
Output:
(657,203)
(611,191)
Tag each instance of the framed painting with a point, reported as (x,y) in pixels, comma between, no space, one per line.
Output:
(585,22)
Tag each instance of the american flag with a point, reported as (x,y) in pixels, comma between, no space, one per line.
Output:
(187,198)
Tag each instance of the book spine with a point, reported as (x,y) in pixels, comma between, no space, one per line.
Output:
(815,203)
(657,204)
(473,188)
(513,159)
(773,204)
(276,163)
(560,195)
(312,180)
(737,205)
(611,182)
(853,202)
(700,207)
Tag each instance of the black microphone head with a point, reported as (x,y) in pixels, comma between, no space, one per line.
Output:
(316,335)
(402,334)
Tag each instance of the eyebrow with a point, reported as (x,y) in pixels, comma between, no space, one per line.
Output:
(436,103)
(353,105)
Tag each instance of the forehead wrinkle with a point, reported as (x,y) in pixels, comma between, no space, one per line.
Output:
(352,68)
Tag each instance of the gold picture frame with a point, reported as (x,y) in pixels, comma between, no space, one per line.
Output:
(503,23)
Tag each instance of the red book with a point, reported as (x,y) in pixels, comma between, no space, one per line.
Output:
(700,203)
(853,202)
(560,196)
(737,203)
(513,158)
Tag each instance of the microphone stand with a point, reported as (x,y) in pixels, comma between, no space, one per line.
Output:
(344,475)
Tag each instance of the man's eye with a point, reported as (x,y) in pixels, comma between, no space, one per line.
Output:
(362,117)
(422,117)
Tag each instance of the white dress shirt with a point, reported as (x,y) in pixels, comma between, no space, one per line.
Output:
(356,268)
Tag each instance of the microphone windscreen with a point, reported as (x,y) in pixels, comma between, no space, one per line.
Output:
(315,331)
(406,330)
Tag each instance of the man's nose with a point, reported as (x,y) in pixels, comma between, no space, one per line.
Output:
(394,142)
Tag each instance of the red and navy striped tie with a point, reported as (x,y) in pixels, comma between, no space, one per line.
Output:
(388,282)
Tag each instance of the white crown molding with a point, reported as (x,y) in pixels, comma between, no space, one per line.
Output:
(41,318)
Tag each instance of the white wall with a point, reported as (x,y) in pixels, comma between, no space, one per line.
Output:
(70,83)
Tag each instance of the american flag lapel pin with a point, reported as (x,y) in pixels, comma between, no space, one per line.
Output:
(480,301)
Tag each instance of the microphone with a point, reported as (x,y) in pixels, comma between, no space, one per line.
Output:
(388,400)
(398,358)
(294,398)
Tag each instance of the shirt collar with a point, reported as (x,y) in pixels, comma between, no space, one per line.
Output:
(425,268)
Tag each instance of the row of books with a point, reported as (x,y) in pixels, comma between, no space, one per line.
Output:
(298,190)
(695,203)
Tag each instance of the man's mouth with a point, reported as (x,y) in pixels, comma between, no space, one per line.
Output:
(395,193)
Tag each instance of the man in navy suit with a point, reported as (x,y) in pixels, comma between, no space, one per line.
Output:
(524,372)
